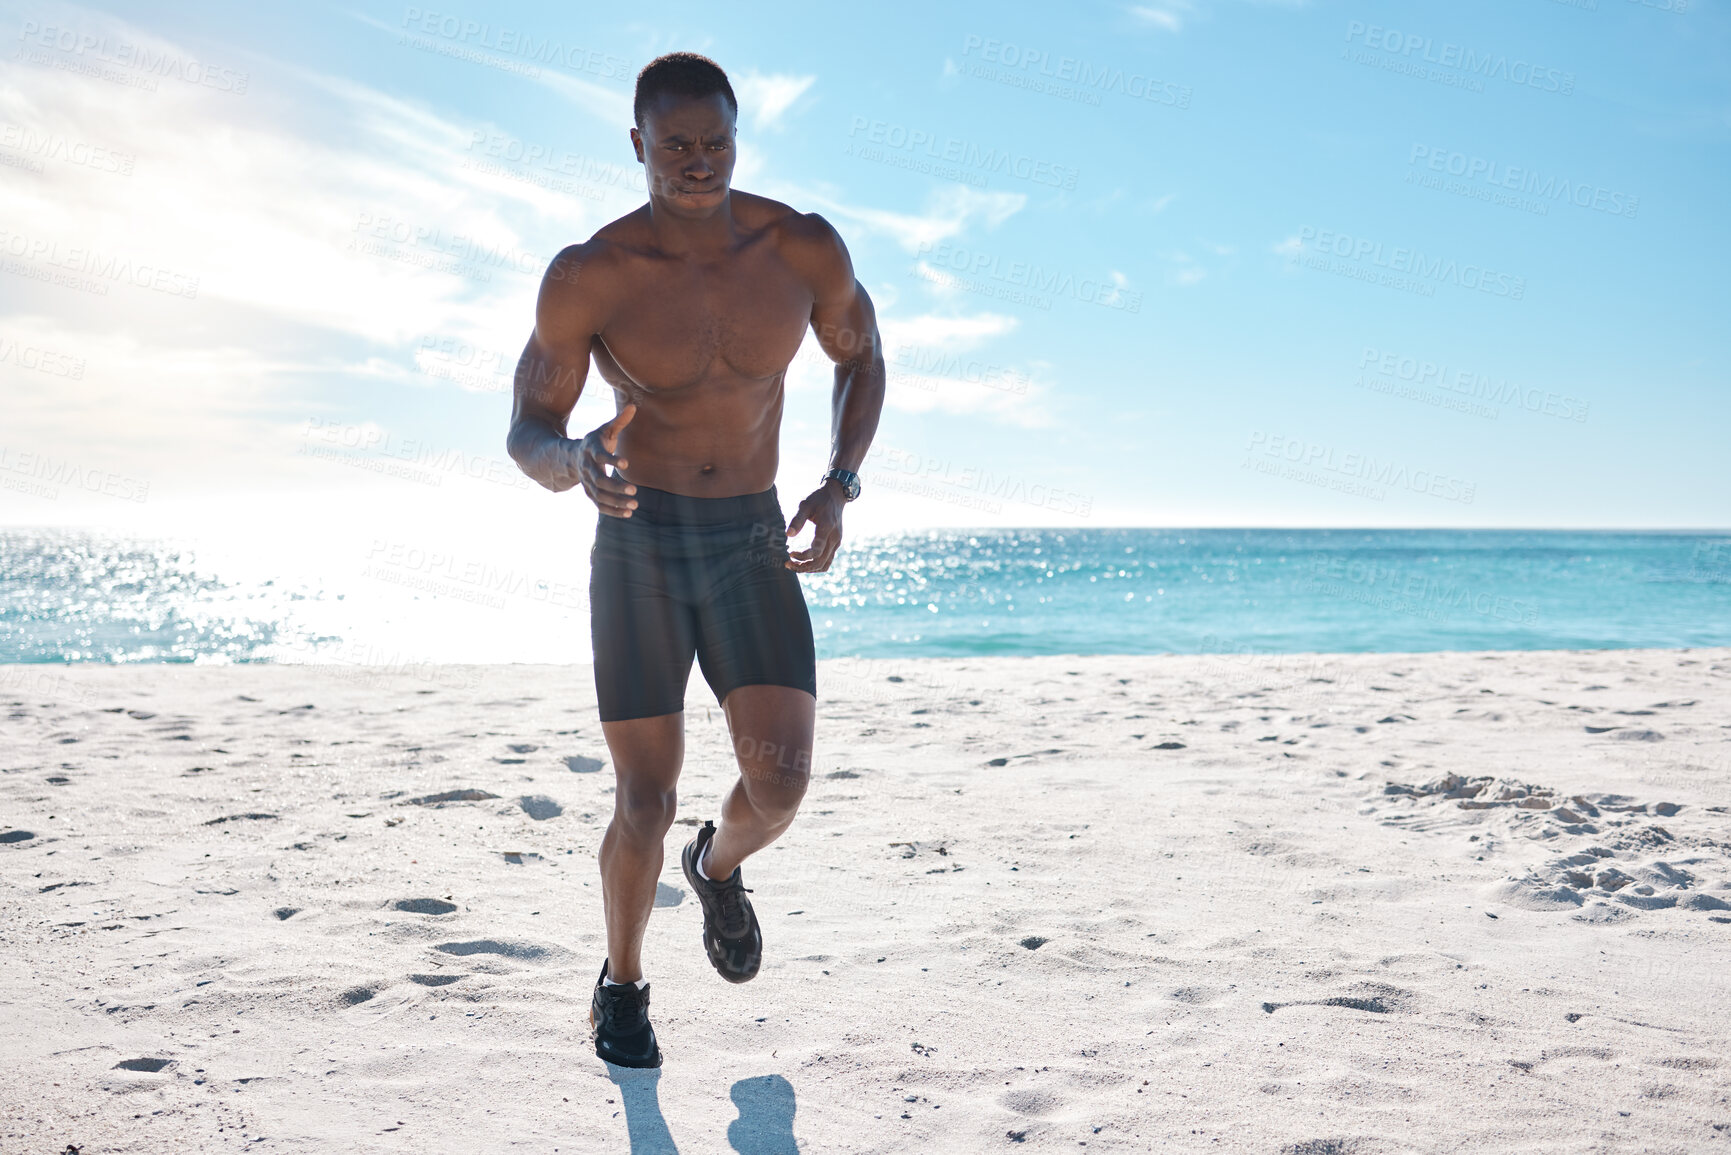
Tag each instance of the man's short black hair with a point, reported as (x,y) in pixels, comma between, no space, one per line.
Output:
(682,74)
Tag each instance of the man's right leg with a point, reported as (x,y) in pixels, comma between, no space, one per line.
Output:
(647,753)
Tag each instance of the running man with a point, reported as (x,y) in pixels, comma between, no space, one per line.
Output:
(691,308)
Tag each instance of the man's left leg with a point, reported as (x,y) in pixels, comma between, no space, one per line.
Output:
(772,728)
(756,649)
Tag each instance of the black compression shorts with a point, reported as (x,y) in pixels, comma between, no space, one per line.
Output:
(703,576)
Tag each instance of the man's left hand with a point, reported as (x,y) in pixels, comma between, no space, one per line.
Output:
(823,510)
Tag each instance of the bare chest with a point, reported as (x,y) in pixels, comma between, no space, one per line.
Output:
(678,327)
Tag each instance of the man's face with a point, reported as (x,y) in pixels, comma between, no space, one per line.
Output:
(686,147)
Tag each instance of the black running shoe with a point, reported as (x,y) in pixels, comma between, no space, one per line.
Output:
(731,936)
(619,1016)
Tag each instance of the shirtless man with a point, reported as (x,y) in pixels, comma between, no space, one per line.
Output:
(691,308)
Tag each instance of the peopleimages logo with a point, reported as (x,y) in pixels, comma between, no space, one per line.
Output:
(142,58)
(1087,78)
(1358,473)
(514,42)
(1412,262)
(86,261)
(60,147)
(1436,375)
(1478,169)
(953,150)
(971,263)
(52,472)
(1408,50)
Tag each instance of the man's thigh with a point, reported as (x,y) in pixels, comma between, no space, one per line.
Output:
(644,635)
(647,752)
(772,729)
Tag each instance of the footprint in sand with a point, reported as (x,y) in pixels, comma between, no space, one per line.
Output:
(1608,867)
(582,764)
(434,980)
(286,912)
(540,807)
(517,950)
(357,995)
(1032,1102)
(17,836)
(668,895)
(425,906)
(451,796)
(1376,998)
(148,1065)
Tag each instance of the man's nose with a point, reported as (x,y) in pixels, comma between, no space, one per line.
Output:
(699,166)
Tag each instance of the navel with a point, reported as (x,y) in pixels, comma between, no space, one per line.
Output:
(706,469)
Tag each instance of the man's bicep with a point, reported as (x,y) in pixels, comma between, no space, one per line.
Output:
(847,327)
(842,316)
(549,381)
(555,363)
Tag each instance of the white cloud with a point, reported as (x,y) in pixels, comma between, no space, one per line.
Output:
(765,98)
(270,207)
(943,363)
(1166,16)
(949,212)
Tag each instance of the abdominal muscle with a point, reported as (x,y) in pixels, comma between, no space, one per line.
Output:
(713,439)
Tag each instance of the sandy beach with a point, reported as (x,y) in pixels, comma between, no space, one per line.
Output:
(1308,904)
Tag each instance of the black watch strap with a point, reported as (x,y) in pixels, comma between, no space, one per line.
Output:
(849,482)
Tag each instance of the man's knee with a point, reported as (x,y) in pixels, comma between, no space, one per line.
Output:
(644,812)
(775,774)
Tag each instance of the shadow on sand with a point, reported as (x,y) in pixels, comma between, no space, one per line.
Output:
(644,1122)
(765,1123)
(764,1127)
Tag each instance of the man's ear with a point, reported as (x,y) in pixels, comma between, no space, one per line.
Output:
(637,144)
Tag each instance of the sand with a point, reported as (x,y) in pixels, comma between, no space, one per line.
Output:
(1365,904)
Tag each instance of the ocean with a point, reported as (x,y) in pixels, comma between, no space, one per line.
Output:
(69,596)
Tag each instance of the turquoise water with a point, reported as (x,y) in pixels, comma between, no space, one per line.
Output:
(1135,591)
(68,596)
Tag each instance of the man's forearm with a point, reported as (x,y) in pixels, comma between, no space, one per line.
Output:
(537,439)
(857,404)
(535,444)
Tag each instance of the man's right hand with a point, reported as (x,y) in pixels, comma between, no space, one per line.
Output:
(610,493)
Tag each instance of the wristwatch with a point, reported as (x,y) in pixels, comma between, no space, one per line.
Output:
(849,482)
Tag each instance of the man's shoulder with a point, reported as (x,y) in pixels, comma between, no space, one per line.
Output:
(786,223)
(590,263)
(806,240)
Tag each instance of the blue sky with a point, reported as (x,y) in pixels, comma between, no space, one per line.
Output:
(1183,262)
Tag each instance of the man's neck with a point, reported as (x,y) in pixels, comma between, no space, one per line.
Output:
(702,237)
